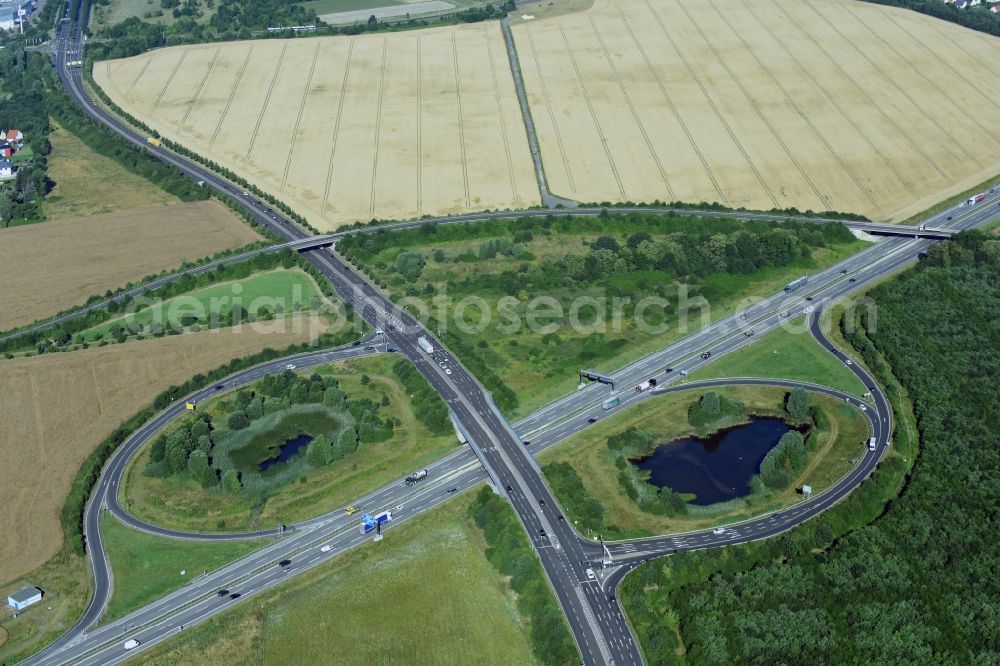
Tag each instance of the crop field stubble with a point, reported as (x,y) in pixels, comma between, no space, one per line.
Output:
(821,104)
(345,128)
(58,407)
(48,267)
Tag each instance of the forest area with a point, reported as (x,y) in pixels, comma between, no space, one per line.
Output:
(916,581)
(978,18)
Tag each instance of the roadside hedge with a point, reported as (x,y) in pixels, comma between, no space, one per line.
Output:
(510,553)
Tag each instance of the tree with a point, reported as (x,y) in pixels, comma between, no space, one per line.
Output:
(318,453)
(231,481)
(797,403)
(237,421)
(176,455)
(200,470)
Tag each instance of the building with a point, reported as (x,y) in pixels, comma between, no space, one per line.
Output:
(6,169)
(24,598)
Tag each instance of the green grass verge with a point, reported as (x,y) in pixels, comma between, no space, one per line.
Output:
(788,352)
(146,567)
(426,594)
(667,417)
(952,200)
(292,289)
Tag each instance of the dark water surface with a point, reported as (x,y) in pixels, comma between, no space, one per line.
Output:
(717,468)
(287,451)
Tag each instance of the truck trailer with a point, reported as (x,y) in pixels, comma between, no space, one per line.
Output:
(795,284)
(976,198)
(419,475)
(610,402)
(646,385)
(425,344)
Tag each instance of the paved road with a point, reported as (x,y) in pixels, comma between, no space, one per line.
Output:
(598,627)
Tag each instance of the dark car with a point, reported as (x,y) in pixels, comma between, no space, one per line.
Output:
(707,354)
(453,490)
(852,280)
(809,298)
(356,343)
(541,501)
(526,442)
(222,593)
(843,272)
(369,348)
(669,370)
(391,328)
(509,488)
(949,218)
(235,595)
(591,420)
(218,387)
(541,532)
(561,519)
(284,563)
(391,350)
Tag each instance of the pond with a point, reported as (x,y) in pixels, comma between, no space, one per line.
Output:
(281,441)
(287,451)
(717,468)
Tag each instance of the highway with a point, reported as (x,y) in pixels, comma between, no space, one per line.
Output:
(598,625)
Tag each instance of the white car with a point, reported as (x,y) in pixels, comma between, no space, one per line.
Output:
(290,366)
(863,407)
(719,530)
(131,644)
(326,549)
(850,362)
(810,308)
(447,371)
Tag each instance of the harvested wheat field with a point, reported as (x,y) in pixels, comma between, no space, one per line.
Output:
(345,128)
(817,104)
(59,407)
(46,268)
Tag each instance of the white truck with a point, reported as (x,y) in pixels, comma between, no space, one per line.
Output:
(646,385)
(871,444)
(425,344)
(416,476)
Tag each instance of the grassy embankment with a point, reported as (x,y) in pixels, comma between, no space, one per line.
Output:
(426,594)
(289,289)
(182,503)
(87,183)
(785,353)
(146,567)
(539,366)
(667,416)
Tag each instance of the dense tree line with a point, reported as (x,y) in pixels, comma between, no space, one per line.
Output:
(918,584)
(510,553)
(428,407)
(977,18)
(566,484)
(248,19)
